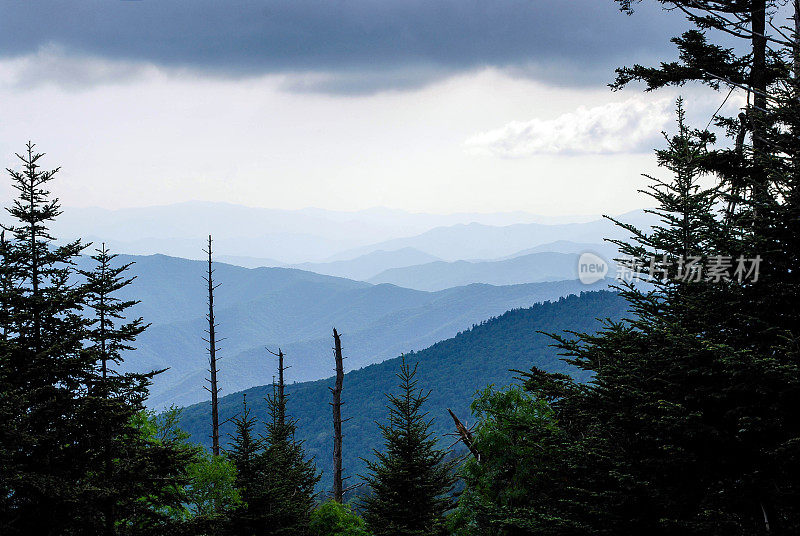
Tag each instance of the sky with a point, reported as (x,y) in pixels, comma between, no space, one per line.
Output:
(424,105)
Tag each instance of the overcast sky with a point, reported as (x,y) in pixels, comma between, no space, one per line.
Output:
(427,105)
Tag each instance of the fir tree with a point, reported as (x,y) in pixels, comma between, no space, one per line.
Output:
(410,479)
(44,371)
(246,453)
(113,401)
(275,479)
(291,477)
(76,457)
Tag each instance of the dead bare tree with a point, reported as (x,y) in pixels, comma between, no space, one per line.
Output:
(212,353)
(338,481)
(465,436)
(281,387)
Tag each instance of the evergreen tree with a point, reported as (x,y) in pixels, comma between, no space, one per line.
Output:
(410,481)
(113,402)
(290,479)
(686,426)
(246,454)
(76,456)
(275,479)
(44,369)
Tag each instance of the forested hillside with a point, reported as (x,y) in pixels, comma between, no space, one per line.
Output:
(454,370)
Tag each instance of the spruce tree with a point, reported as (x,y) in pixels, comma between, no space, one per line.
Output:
(291,477)
(76,452)
(410,480)
(44,370)
(246,453)
(275,480)
(113,400)
(688,426)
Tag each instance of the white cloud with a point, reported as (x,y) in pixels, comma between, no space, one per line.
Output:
(631,126)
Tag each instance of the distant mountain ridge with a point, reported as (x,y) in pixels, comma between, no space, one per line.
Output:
(369,265)
(532,268)
(260,236)
(285,236)
(478,241)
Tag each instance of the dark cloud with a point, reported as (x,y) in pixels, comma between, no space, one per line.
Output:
(356,45)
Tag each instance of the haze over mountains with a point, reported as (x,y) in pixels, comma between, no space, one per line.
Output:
(386,295)
(287,236)
(258,236)
(294,310)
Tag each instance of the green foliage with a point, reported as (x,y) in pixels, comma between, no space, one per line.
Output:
(212,488)
(410,480)
(334,519)
(517,485)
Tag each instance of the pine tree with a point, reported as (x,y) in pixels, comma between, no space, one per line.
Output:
(291,477)
(410,479)
(275,479)
(76,453)
(44,370)
(247,454)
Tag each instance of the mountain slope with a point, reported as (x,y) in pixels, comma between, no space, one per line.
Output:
(452,369)
(366,266)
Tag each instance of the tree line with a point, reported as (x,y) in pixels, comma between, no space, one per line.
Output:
(80,454)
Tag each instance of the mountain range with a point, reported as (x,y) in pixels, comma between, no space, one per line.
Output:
(531,268)
(273,237)
(294,310)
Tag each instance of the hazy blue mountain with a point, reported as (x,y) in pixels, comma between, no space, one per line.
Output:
(453,370)
(478,241)
(172,289)
(369,265)
(604,249)
(285,236)
(294,310)
(250,262)
(531,268)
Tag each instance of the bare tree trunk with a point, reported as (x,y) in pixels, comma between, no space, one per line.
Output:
(796,51)
(465,435)
(758,84)
(281,387)
(6,287)
(212,355)
(338,482)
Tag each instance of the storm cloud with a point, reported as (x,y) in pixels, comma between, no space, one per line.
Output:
(349,46)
